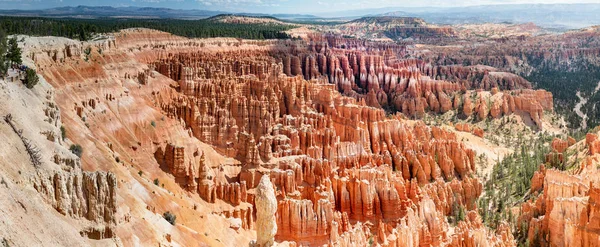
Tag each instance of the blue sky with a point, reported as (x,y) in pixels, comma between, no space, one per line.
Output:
(267,6)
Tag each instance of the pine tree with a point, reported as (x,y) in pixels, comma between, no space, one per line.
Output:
(14,52)
(31,78)
(3,60)
(82,35)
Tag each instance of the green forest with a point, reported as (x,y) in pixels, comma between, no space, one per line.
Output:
(564,78)
(563,84)
(510,181)
(84,29)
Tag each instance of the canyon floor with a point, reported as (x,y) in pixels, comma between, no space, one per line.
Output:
(335,140)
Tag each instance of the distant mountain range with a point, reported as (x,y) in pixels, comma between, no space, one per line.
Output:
(565,16)
(545,15)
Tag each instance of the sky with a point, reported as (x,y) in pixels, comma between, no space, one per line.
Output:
(269,6)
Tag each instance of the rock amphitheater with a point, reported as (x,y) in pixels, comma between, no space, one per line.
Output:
(308,142)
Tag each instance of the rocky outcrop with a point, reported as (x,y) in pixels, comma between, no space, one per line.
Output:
(593,143)
(396,28)
(565,214)
(465,127)
(89,195)
(472,232)
(266,206)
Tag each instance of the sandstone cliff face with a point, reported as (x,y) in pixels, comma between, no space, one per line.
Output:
(50,179)
(465,127)
(88,195)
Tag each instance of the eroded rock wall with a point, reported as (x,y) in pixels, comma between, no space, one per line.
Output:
(334,159)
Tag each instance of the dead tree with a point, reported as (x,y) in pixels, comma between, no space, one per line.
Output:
(32,150)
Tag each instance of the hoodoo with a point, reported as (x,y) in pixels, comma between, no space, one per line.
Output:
(240,130)
(266,207)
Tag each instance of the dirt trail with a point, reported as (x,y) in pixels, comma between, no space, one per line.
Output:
(577,110)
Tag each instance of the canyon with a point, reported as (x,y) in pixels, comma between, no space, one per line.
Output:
(320,140)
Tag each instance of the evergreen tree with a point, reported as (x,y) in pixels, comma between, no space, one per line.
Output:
(82,35)
(31,78)
(14,52)
(3,60)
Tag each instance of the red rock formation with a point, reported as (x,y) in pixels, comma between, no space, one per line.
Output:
(353,160)
(472,232)
(592,143)
(465,127)
(310,115)
(559,145)
(566,212)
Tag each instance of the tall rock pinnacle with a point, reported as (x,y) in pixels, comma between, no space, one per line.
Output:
(266,207)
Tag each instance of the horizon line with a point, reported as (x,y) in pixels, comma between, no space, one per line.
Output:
(304,13)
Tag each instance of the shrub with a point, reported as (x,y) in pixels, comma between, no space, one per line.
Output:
(153,124)
(156,182)
(140,173)
(170,217)
(76,149)
(87,52)
(31,78)
(63,132)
